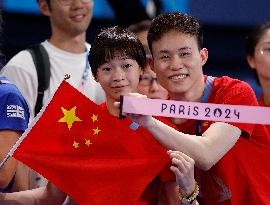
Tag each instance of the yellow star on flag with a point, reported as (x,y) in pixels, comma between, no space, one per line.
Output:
(75,144)
(87,142)
(96,131)
(69,117)
(94,117)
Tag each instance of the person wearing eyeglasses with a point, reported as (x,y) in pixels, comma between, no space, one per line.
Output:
(68,54)
(148,84)
(258,58)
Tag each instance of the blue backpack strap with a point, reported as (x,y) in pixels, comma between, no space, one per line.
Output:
(206,93)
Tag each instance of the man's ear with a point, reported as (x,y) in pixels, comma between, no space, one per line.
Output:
(250,60)
(204,55)
(44,7)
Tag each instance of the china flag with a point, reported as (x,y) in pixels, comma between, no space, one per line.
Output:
(89,154)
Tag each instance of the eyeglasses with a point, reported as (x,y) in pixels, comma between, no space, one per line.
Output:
(264,49)
(69,2)
(147,80)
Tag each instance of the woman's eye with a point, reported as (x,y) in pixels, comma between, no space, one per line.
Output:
(164,57)
(145,78)
(127,65)
(107,69)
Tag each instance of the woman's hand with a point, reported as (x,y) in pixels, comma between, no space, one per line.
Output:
(143,120)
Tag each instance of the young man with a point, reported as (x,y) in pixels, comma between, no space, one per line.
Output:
(67,52)
(175,41)
(117,58)
(148,84)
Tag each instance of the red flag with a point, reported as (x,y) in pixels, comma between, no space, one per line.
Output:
(89,154)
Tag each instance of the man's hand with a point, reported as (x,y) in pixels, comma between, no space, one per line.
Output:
(183,168)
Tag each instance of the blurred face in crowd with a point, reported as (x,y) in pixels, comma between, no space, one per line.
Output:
(150,87)
(178,61)
(142,36)
(118,76)
(148,84)
(261,57)
(70,17)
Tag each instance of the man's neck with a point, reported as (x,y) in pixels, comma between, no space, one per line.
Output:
(265,84)
(74,44)
(195,94)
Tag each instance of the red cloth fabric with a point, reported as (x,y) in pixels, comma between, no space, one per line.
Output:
(262,103)
(242,175)
(114,167)
(152,192)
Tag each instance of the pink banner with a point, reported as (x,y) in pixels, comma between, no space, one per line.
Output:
(194,110)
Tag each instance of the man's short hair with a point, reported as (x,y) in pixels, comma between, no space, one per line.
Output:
(176,21)
(113,41)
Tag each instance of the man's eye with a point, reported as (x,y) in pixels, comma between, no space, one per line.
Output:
(185,54)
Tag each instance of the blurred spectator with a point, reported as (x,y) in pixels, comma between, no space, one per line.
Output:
(132,11)
(67,51)
(148,85)
(258,57)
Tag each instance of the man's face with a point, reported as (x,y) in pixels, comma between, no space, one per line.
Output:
(71,17)
(178,62)
(118,76)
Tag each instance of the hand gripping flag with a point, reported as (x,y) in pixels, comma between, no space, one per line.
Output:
(89,154)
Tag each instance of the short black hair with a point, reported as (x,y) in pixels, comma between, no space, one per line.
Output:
(111,41)
(140,26)
(177,21)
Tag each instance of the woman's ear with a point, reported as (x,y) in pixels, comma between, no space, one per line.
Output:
(251,62)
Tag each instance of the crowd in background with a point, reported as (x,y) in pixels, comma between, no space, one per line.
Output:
(67,49)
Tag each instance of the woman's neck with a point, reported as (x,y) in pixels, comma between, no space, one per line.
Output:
(112,109)
(265,84)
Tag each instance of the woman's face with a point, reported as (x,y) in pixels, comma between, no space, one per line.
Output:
(261,58)
(119,76)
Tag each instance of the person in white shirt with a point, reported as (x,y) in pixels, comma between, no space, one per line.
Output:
(67,50)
